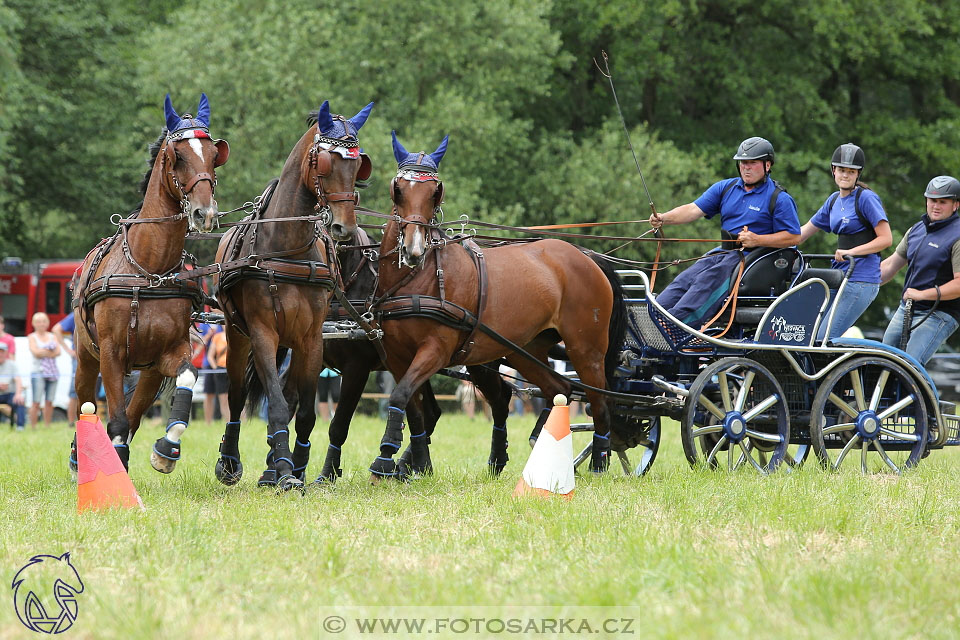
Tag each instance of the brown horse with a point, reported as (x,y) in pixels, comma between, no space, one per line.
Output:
(132,312)
(433,293)
(275,291)
(356,359)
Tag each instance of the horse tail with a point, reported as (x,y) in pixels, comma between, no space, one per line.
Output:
(256,392)
(618,315)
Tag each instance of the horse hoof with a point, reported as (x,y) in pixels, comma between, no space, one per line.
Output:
(327,477)
(165,455)
(228,472)
(268,478)
(496,468)
(290,484)
(383,468)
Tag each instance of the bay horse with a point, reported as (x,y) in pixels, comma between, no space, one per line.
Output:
(132,309)
(434,294)
(355,359)
(278,272)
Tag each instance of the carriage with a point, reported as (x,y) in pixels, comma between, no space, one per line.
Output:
(767,392)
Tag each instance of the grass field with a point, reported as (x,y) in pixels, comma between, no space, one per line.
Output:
(684,553)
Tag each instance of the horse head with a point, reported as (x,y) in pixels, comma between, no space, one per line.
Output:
(417,194)
(332,167)
(189,159)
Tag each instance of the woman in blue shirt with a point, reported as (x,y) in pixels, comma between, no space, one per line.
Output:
(856,215)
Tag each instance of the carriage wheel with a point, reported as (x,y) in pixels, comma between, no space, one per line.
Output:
(874,405)
(646,446)
(736,415)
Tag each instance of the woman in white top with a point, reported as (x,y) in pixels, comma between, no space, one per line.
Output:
(43,379)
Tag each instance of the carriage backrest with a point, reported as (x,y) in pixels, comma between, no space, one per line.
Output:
(769,272)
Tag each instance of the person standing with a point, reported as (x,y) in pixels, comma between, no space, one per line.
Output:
(328,391)
(43,380)
(11,387)
(754,212)
(7,339)
(216,382)
(855,214)
(62,330)
(931,252)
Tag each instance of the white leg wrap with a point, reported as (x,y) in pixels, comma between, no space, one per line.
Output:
(187,379)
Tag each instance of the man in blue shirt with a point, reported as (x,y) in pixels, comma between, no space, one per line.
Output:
(931,252)
(754,212)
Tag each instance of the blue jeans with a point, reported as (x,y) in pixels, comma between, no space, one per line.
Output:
(19,411)
(925,339)
(857,296)
(697,293)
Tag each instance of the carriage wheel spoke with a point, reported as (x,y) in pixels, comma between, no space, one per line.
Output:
(790,460)
(892,409)
(730,464)
(711,459)
(858,389)
(712,408)
(841,404)
(878,390)
(766,437)
(744,390)
(846,449)
(885,457)
(767,402)
(583,455)
(899,435)
(702,431)
(725,391)
(746,453)
(864,448)
(846,426)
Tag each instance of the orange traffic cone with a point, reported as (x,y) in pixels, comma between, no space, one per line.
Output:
(549,468)
(101,479)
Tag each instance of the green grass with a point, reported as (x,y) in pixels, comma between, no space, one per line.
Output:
(689,554)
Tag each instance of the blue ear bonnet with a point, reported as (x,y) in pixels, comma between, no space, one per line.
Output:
(339,127)
(426,160)
(177,123)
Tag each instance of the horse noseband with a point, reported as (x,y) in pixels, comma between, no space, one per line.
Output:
(187,188)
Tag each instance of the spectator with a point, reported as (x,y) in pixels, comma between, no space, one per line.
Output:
(328,390)
(386,383)
(43,379)
(11,386)
(62,329)
(216,382)
(7,339)
(467,395)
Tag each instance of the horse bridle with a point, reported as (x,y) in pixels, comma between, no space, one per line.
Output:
(184,190)
(417,173)
(321,160)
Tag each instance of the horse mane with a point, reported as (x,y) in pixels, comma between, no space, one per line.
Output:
(313,116)
(154,149)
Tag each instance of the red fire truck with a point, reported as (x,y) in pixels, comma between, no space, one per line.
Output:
(29,287)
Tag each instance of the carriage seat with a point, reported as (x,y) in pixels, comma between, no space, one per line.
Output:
(833,277)
(766,274)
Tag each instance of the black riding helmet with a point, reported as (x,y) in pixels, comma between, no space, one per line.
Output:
(755,148)
(943,187)
(848,155)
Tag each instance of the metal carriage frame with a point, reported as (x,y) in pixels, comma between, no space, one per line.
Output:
(751,402)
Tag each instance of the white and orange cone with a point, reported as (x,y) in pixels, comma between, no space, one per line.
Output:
(549,469)
(102,482)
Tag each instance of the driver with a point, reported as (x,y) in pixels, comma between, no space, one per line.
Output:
(931,252)
(754,212)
